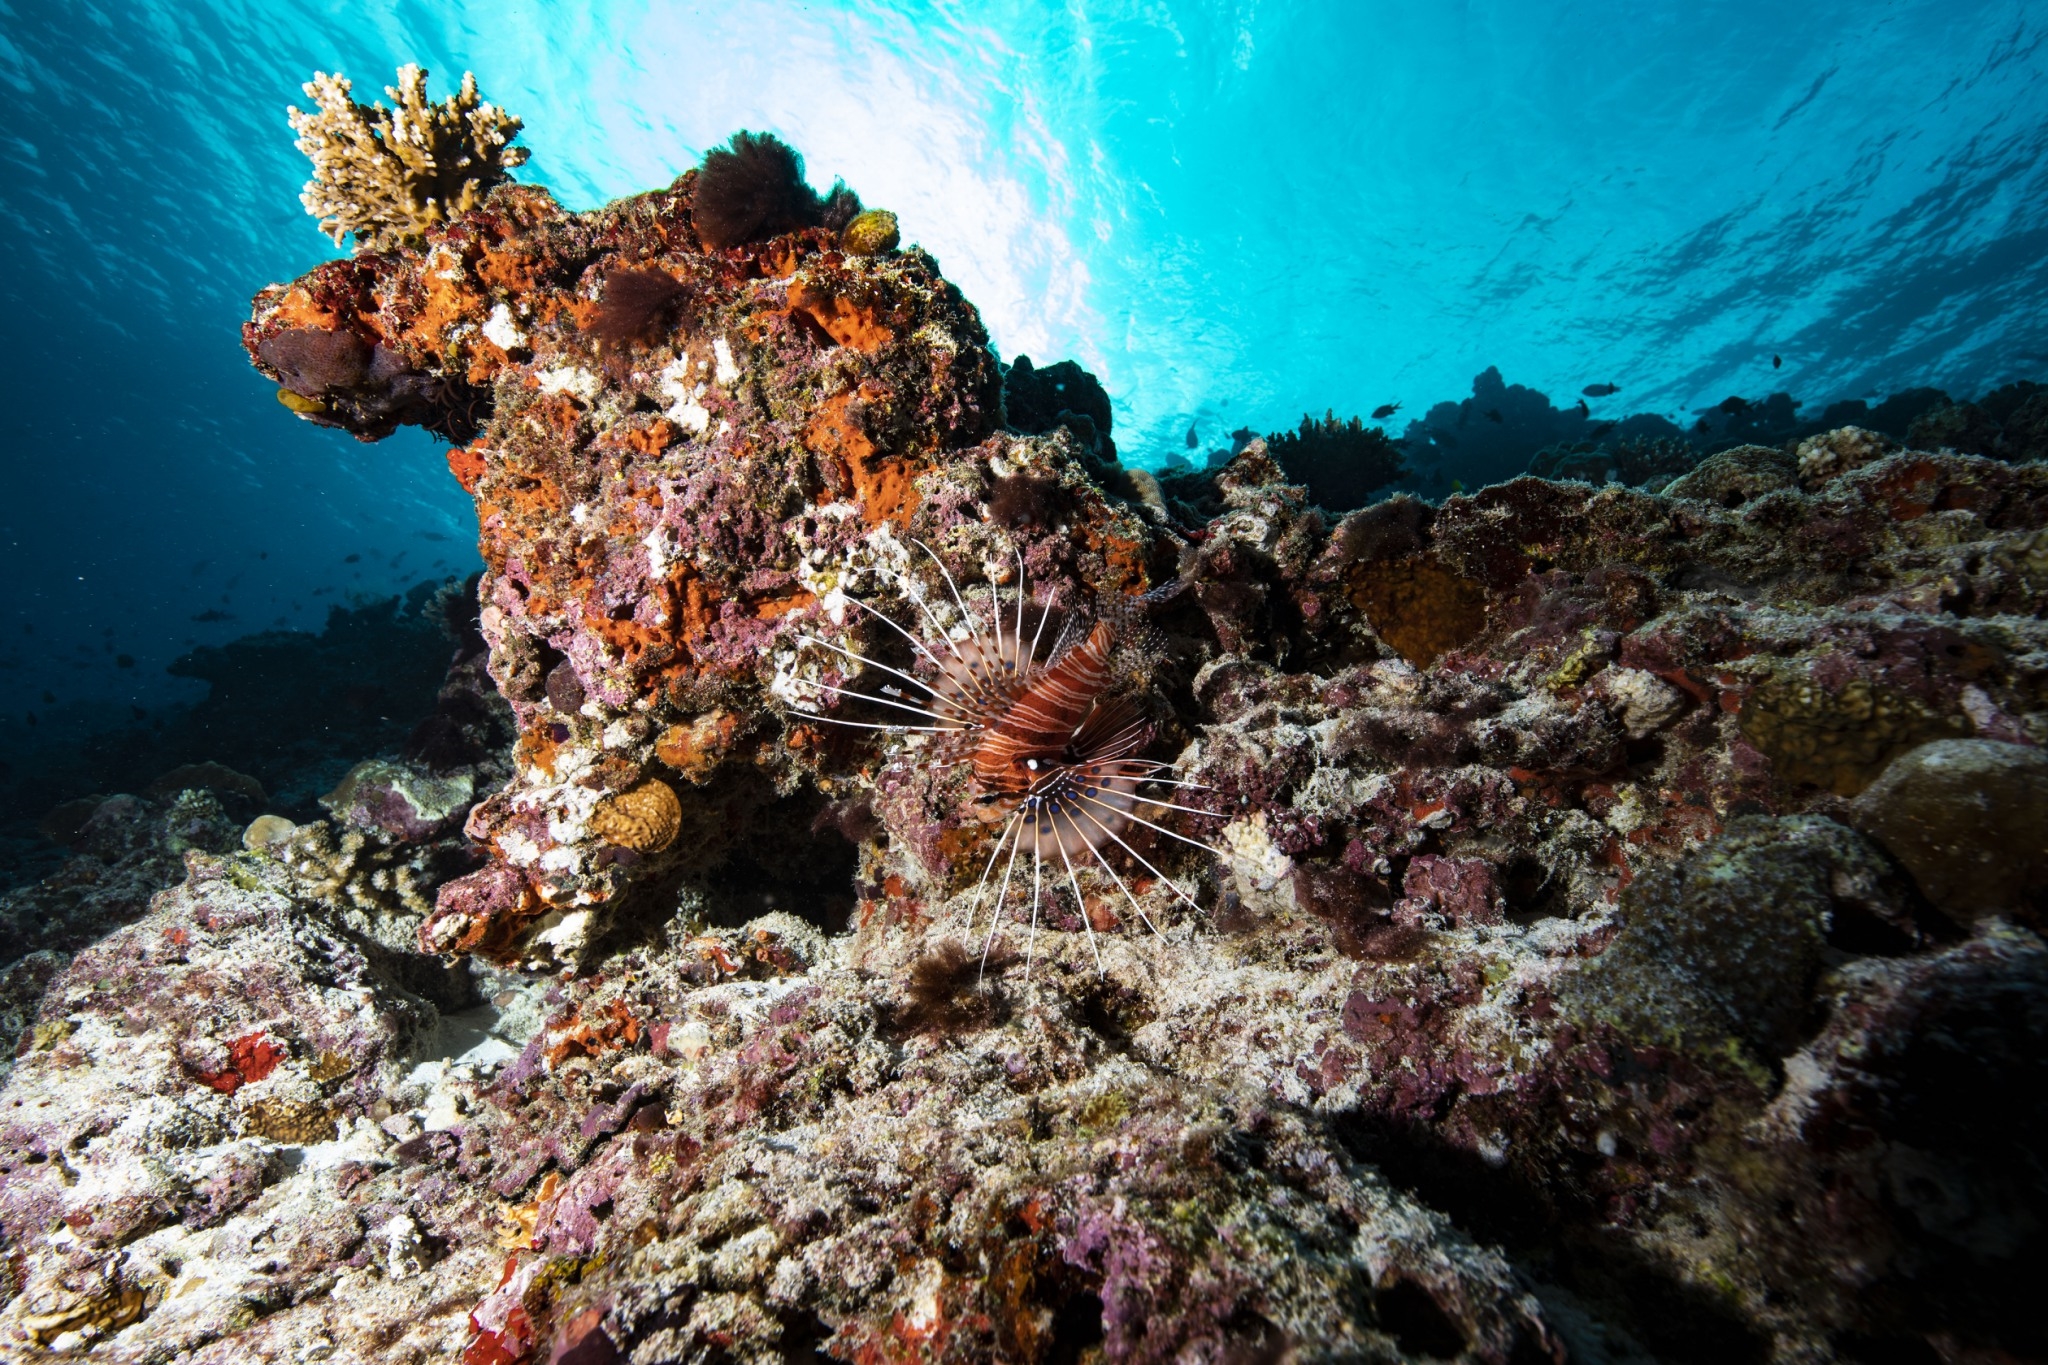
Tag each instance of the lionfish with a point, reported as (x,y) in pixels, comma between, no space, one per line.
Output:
(1045,743)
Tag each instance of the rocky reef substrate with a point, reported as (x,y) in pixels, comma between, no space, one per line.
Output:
(1621,939)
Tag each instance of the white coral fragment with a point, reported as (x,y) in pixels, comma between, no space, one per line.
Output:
(1640,700)
(501,331)
(1252,855)
(570,379)
(684,409)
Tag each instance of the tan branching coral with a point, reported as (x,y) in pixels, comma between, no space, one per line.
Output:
(387,175)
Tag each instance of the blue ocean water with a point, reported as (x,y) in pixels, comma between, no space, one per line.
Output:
(1231,212)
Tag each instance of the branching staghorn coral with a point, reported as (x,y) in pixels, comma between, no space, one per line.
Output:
(387,175)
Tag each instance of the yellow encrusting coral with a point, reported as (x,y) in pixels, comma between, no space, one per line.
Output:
(873,233)
(645,818)
(387,175)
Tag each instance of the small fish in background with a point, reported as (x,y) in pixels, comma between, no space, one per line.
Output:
(1597,432)
(1734,406)
(1493,415)
(351,559)
(1457,485)
(1600,390)
(1384,411)
(214,614)
(1777,362)
(1584,411)
(1193,440)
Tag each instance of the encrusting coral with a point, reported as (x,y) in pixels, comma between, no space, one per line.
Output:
(1545,995)
(873,233)
(388,175)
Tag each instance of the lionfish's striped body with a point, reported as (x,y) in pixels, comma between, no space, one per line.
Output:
(1049,749)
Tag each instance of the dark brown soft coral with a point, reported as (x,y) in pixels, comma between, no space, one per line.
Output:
(638,302)
(752,189)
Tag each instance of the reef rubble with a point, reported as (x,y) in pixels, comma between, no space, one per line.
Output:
(1590,965)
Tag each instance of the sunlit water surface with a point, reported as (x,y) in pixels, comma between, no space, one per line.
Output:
(1231,213)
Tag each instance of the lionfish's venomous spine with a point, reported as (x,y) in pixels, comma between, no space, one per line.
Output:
(1041,739)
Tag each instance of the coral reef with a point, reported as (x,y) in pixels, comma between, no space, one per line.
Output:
(2009,423)
(1622,939)
(1037,400)
(286,714)
(1644,461)
(388,175)
(1503,428)
(1342,463)
(119,851)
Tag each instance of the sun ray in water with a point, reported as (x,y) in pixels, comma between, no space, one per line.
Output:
(1048,745)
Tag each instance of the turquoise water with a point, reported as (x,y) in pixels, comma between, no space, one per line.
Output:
(1232,213)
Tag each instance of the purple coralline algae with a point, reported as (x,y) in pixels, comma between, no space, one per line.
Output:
(1588,960)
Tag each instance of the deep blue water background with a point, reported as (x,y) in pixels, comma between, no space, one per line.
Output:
(1232,213)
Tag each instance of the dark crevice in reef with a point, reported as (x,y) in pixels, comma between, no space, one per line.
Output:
(1076,1330)
(793,858)
(754,853)
(1412,1318)
(1560,1246)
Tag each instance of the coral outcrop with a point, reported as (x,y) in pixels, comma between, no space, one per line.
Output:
(387,175)
(1342,463)
(1619,940)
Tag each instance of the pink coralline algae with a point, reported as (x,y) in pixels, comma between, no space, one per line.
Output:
(1590,962)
